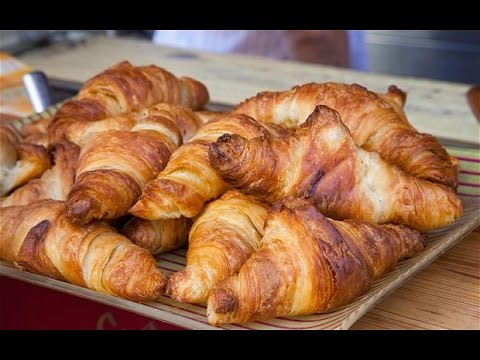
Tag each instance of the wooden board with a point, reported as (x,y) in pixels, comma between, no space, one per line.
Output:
(445,295)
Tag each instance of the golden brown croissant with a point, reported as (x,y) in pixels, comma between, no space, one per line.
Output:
(19,161)
(124,88)
(38,238)
(188,181)
(309,264)
(80,132)
(225,234)
(114,166)
(9,138)
(376,121)
(55,183)
(320,160)
(157,236)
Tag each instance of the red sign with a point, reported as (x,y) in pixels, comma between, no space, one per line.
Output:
(26,306)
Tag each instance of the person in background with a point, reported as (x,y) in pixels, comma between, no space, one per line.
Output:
(343,48)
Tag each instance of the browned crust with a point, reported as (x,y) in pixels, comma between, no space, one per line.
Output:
(157,236)
(223,236)
(124,88)
(377,122)
(119,163)
(309,264)
(396,94)
(55,183)
(100,194)
(33,161)
(32,256)
(188,181)
(19,161)
(320,160)
(35,154)
(9,138)
(40,239)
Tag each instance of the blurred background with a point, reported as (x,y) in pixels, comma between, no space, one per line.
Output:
(450,55)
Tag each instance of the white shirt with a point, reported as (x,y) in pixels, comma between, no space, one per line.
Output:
(268,43)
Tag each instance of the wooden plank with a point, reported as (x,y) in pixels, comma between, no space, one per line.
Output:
(446,295)
(437,107)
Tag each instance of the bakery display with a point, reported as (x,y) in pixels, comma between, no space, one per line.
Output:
(292,204)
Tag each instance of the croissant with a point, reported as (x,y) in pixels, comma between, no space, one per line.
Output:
(188,181)
(222,238)
(157,236)
(9,137)
(114,166)
(308,263)
(124,88)
(80,132)
(20,162)
(38,238)
(377,123)
(55,183)
(320,160)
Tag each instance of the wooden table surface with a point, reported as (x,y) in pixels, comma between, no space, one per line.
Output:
(446,295)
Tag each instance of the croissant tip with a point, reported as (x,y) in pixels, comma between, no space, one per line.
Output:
(223,301)
(397,94)
(225,148)
(171,288)
(135,231)
(136,209)
(79,211)
(320,117)
(187,286)
(160,288)
(158,204)
(321,109)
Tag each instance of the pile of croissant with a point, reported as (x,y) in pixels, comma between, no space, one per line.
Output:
(291,204)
